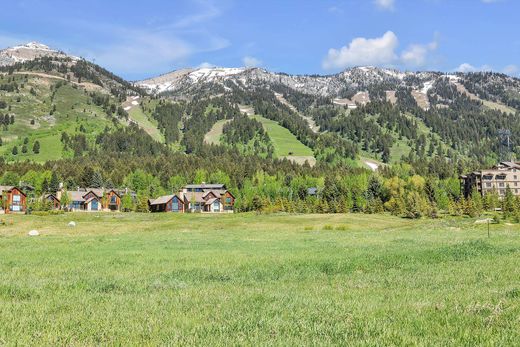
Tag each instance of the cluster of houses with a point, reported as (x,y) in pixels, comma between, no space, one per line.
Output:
(204,198)
(494,180)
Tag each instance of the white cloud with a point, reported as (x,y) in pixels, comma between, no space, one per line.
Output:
(249,61)
(206,65)
(207,12)
(387,5)
(511,70)
(363,51)
(417,55)
(466,67)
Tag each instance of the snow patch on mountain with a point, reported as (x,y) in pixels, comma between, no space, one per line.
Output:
(28,51)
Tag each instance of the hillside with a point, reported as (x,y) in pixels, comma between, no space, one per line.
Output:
(389,115)
(361,114)
(53,105)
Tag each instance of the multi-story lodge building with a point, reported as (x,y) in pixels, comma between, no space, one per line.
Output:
(497,179)
(213,198)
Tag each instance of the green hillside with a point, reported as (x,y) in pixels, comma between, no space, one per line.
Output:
(285,143)
(43,108)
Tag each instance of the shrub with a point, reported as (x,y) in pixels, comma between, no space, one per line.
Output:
(328,227)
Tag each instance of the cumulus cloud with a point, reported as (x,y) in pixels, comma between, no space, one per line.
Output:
(417,55)
(386,5)
(249,61)
(363,51)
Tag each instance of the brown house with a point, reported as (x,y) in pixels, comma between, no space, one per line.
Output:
(13,199)
(167,203)
(112,200)
(206,198)
(54,201)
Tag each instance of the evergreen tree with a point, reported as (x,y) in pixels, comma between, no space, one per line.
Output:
(508,203)
(54,184)
(24,149)
(36,147)
(15,150)
(97,180)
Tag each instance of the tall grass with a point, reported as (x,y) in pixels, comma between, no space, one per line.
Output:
(257,280)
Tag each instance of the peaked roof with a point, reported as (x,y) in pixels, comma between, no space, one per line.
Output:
(206,186)
(9,188)
(163,199)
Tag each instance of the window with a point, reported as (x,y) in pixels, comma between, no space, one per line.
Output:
(488,184)
(228,200)
(16,198)
(515,177)
(113,199)
(487,177)
(175,204)
(501,184)
(216,206)
(502,192)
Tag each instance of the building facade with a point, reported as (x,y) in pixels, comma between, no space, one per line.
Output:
(204,198)
(13,199)
(495,180)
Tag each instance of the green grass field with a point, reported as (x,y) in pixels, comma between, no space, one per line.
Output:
(243,279)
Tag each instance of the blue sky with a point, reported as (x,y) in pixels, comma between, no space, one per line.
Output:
(141,39)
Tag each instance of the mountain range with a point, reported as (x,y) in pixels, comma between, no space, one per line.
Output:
(386,115)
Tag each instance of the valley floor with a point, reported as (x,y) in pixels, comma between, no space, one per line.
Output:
(134,279)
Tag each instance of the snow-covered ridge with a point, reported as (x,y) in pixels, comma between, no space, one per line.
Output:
(28,51)
(32,45)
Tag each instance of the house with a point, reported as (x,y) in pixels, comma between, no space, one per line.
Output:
(83,200)
(13,199)
(214,198)
(53,201)
(167,203)
(112,200)
(497,179)
(206,198)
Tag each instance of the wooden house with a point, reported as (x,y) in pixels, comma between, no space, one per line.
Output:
(53,201)
(204,198)
(167,203)
(13,199)
(112,200)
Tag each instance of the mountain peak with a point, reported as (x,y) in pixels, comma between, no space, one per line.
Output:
(28,51)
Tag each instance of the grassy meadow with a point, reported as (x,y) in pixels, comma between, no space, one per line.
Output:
(245,279)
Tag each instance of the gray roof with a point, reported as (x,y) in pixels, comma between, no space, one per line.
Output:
(312,191)
(6,188)
(76,195)
(510,164)
(162,200)
(206,186)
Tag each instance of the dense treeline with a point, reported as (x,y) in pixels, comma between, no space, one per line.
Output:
(168,115)
(248,135)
